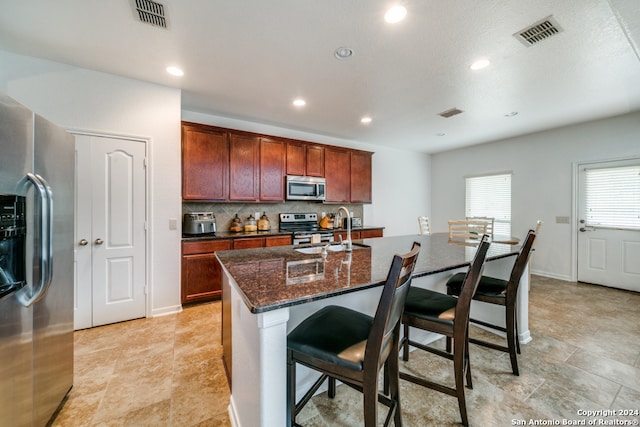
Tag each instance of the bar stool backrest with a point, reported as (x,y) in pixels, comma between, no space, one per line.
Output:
(386,322)
(470,284)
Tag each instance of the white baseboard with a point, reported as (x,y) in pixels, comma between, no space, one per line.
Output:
(552,275)
(166,311)
(233,416)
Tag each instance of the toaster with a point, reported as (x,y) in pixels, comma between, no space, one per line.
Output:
(355,222)
(195,223)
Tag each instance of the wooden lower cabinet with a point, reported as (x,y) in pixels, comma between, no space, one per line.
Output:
(369,234)
(358,234)
(278,241)
(248,242)
(201,273)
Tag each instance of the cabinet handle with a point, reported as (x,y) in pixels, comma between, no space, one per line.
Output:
(83,242)
(99,241)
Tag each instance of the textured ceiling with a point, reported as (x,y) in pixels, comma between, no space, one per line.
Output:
(249,59)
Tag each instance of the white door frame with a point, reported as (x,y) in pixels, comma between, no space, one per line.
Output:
(575,176)
(148,206)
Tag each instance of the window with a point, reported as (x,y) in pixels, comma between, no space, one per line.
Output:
(612,197)
(490,196)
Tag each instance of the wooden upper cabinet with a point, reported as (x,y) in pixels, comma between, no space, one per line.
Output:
(205,160)
(296,158)
(227,165)
(244,167)
(305,159)
(315,160)
(272,169)
(337,172)
(360,177)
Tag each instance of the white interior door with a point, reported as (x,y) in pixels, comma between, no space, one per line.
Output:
(110,230)
(609,224)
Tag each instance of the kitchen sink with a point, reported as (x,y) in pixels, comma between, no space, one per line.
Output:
(331,248)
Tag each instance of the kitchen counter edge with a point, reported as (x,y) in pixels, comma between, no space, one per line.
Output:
(220,235)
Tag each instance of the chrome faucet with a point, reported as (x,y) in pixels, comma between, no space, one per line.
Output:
(347,243)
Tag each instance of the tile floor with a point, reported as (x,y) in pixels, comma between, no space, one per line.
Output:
(585,355)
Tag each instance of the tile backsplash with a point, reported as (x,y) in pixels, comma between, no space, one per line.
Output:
(225,212)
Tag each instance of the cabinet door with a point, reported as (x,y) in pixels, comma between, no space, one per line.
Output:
(367,234)
(248,242)
(201,277)
(272,169)
(201,271)
(355,235)
(244,167)
(360,177)
(296,158)
(338,175)
(205,160)
(278,241)
(315,160)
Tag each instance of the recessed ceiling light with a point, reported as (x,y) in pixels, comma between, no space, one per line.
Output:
(511,114)
(299,102)
(343,52)
(175,71)
(395,14)
(366,120)
(480,64)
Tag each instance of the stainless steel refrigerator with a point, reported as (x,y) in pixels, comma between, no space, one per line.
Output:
(36,265)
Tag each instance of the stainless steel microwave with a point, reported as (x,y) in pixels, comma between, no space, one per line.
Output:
(306,188)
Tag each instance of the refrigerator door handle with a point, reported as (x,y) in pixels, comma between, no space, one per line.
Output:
(48,235)
(43,251)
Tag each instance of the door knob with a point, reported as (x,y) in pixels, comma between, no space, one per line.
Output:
(99,241)
(83,242)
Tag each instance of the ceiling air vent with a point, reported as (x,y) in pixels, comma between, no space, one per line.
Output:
(450,113)
(150,12)
(539,31)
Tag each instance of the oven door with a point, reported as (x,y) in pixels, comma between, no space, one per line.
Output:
(306,238)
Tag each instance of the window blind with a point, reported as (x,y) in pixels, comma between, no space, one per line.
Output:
(612,197)
(490,196)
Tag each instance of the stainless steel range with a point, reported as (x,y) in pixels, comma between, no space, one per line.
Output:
(305,228)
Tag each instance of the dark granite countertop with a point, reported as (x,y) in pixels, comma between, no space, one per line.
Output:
(277,277)
(219,235)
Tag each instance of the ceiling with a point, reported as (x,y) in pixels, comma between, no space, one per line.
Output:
(249,59)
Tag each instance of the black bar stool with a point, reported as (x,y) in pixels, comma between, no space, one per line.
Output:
(500,292)
(352,347)
(447,315)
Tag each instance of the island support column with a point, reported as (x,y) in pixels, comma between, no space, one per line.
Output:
(258,393)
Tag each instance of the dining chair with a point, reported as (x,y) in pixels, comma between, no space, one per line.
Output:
(500,292)
(489,220)
(447,315)
(423,224)
(533,248)
(352,347)
(464,229)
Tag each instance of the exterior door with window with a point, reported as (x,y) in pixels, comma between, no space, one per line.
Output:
(609,224)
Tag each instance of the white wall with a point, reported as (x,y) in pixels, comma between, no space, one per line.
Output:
(76,98)
(400,179)
(542,182)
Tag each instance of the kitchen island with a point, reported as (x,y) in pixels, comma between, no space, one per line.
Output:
(268,291)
